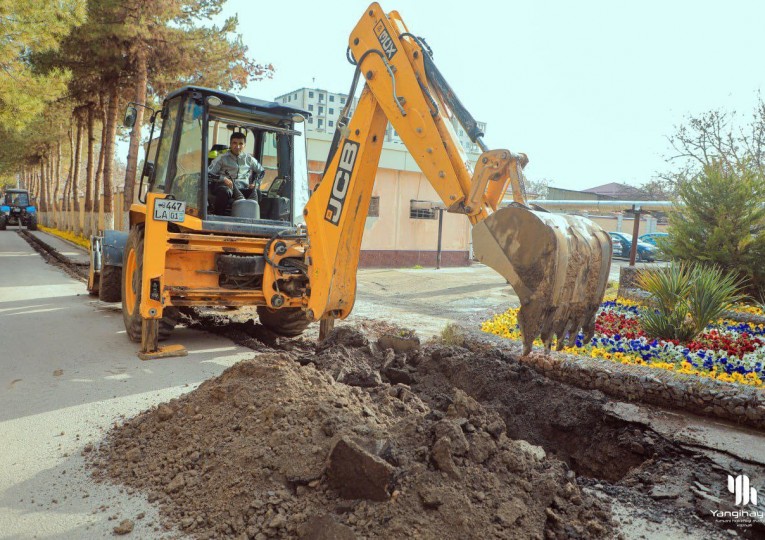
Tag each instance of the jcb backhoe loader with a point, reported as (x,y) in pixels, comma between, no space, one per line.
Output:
(296,258)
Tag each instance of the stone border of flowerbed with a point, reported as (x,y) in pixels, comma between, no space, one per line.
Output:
(741,404)
(699,395)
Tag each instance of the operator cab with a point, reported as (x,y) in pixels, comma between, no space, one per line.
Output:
(16,197)
(197,124)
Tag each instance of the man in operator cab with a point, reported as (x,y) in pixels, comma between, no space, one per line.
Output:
(234,175)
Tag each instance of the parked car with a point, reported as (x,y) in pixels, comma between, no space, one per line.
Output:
(645,252)
(650,238)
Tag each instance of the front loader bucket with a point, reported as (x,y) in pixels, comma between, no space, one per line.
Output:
(557,264)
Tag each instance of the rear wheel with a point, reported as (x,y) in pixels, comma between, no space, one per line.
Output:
(3,222)
(110,283)
(131,290)
(288,322)
(32,224)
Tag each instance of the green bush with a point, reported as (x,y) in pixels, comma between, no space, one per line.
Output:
(686,298)
(722,222)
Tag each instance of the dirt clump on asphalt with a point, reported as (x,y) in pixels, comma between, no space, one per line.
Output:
(333,442)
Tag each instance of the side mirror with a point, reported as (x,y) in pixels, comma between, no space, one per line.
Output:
(130,116)
(148,169)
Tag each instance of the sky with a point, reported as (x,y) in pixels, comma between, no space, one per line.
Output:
(590,90)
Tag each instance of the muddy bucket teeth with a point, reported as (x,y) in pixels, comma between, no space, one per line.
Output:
(557,264)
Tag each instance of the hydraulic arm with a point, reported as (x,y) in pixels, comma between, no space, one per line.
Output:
(558,265)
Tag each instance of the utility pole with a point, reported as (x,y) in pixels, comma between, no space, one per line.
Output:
(635,232)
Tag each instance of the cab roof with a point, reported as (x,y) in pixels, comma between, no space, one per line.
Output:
(234,100)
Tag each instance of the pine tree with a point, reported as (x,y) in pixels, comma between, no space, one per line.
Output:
(722,222)
(30,27)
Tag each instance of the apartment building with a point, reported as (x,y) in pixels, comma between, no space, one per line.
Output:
(325,107)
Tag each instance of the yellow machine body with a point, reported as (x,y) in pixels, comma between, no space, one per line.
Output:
(558,265)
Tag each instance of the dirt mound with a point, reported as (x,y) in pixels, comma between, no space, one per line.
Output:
(332,443)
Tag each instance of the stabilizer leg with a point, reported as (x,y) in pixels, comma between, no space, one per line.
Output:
(150,349)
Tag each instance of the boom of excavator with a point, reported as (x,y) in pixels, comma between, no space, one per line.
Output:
(296,273)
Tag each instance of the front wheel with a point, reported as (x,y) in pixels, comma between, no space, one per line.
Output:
(132,272)
(288,322)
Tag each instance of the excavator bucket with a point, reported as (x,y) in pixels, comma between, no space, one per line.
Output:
(557,264)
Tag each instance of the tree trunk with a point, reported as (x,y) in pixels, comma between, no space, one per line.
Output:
(89,172)
(135,135)
(99,174)
(67,203)
(76,175)
(111,134)
(43,207)
(57,187)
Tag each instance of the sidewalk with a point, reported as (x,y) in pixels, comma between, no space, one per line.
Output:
(59,248)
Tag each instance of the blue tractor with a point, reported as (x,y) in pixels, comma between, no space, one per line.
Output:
(17,208)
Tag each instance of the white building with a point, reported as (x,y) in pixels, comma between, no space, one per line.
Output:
(325,107)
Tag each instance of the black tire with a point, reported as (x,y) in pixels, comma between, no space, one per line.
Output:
(110,283)
(3,223)
(288,322)
(32,224)
(131,298)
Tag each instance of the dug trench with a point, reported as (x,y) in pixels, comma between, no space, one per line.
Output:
(370,435)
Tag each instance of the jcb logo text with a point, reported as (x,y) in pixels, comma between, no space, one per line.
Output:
(342,181)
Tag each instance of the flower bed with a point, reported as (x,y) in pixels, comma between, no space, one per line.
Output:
(727,350)
(70,236)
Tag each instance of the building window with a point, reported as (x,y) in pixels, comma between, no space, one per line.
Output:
(321,97)
(331,110)
(321,109)
(321,122)
(295,95)
(310,107)
(332,98)
(331,123)
(422,210)
(310,94)
(342,100)
(310,120)
(374,207)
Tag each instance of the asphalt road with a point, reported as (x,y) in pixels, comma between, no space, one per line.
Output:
(67,373)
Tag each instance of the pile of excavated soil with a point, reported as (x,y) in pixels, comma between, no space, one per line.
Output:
(336,442)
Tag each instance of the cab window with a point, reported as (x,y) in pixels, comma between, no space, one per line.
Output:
(187,170)
(169,121)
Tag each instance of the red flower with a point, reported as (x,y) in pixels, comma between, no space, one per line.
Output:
(609,324)
(733,345)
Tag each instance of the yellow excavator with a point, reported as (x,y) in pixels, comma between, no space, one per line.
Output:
(295,257)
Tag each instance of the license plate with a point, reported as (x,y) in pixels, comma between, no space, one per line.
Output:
(169,210)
